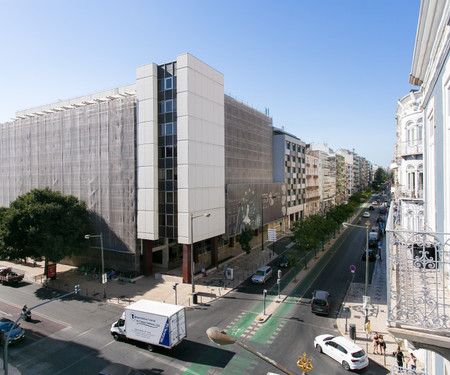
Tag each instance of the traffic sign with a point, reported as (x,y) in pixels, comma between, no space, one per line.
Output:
(352,268)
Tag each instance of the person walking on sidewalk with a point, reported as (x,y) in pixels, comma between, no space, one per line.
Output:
(375,343)
(382,344)
(399,357)
(367,327)
(413,360)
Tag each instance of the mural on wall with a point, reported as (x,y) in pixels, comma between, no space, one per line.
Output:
(249,204)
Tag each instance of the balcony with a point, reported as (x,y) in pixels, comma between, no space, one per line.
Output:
(411,147)
(402,192)
(418,266)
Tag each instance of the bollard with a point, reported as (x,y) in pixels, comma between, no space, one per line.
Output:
(352,331)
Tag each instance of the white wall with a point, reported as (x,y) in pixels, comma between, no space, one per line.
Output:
(147,152)
(201,149)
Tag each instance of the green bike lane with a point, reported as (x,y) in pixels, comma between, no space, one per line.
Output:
(245,362)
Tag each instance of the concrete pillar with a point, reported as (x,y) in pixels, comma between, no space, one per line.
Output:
(147,257)
(186,264)
(214,252)
(165,257)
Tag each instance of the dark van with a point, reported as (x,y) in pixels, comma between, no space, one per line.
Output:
(320,302)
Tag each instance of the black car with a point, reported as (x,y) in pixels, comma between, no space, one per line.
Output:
(372,255)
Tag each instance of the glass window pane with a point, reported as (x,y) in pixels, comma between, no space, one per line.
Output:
(168,83)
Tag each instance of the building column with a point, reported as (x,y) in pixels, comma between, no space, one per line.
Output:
(214,252)
(165,257)
(186,264)
(147,257)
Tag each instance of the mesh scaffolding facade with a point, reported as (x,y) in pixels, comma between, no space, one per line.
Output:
(89,152)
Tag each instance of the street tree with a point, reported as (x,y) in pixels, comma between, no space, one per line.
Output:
(44,224)
(245,238)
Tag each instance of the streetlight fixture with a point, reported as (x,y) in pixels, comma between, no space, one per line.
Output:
(192,248)
(220,337)
(264,196)
(366,289)
(88,236)
(6,336)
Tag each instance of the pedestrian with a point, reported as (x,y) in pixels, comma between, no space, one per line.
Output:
(375,343)
(399,357)
(413,360)
(382,344)
(367,327)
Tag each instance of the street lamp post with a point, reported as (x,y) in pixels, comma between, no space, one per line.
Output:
(6,337)
(192,248)
(366,286)
(220,337)
(87,236)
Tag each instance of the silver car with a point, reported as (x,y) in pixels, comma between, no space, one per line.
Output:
(262,275)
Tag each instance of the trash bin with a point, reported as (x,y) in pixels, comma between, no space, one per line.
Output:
(352,331)
(194,298)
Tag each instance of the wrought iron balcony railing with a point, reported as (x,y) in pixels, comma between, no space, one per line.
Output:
(418,275)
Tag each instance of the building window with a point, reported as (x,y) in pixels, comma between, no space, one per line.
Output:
(168,83)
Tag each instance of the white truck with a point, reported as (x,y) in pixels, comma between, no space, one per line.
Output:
(151,322)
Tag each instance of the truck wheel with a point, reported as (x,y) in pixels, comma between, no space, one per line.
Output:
(116,337)
(150,347)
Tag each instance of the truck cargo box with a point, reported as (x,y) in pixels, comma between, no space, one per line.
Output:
(152,322)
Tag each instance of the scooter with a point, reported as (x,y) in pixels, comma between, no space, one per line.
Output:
(27,314)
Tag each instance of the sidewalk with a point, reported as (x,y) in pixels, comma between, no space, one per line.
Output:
(377,315)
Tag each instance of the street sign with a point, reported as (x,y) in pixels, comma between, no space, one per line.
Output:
(272,234)
(380,244)
(352,268)
(367,223)
(366,302)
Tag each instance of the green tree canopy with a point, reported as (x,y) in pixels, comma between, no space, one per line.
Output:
(44,223)
(245,238)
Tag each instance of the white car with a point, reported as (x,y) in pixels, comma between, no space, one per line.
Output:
(341,349)
(366,214)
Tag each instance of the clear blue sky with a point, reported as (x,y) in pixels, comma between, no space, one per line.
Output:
(329,71)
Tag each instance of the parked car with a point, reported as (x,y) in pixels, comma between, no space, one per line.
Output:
(372,255)
(371,208)
(262,275)
(17,333)
(366,214)
(342,350)
(320,302)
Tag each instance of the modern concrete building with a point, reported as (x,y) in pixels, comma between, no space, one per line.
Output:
(418,252)
(155,162)
(289,168)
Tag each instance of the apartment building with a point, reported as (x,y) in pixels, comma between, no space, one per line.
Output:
(418,230)
(312,204)
(289,165)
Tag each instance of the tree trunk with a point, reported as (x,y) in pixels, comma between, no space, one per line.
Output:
(45,266)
